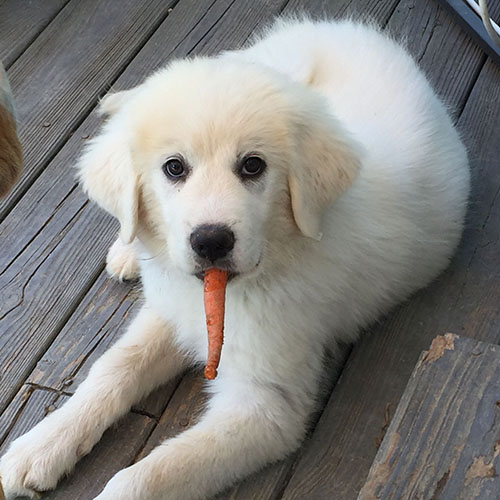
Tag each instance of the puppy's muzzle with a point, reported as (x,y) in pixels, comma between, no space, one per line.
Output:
(212,242)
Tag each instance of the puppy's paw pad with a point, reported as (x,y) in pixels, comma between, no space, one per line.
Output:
(122,261)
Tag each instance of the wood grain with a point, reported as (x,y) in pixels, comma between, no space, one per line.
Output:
(366,10)
(444,439)
(59,77)
(464,299)
(473,25)
(21,22)
(449,58)
(36,405)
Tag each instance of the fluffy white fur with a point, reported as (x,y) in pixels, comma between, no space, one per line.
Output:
(362,203)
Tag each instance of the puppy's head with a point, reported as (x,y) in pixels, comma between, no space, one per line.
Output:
(210,161)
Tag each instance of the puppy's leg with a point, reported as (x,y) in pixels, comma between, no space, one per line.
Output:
(141,360)
(122,261)
(240,433)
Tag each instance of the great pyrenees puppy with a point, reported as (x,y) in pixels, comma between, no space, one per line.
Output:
(321,170)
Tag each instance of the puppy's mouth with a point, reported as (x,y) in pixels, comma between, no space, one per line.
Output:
(225,265)
(231,273)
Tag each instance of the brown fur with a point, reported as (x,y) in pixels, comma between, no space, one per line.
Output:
(11,154)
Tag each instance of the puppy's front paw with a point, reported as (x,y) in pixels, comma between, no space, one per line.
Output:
(37,460)
(122,261)
(29,467)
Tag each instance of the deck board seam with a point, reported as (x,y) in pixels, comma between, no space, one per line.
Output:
(256,27)
(191,30)
(111,317)
(148,414)
(22,250)
(12,423)
(391,14)
(156,419)
(470,89)
(47,388)
(211,27)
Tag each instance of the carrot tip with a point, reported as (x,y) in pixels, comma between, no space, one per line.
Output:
(210,373)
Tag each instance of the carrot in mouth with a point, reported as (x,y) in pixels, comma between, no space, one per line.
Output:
(214,286)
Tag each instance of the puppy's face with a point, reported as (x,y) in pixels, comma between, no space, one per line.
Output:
(216,161)
(211,162)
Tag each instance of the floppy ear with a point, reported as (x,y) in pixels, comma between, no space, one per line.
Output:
(327,163)
(112,103)
(107,173)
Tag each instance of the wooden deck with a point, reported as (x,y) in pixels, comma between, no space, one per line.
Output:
(58,309)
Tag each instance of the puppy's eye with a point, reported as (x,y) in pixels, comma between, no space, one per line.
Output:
(252,166)
(174,169)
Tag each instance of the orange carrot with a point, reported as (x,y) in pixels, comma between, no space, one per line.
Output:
(214,285)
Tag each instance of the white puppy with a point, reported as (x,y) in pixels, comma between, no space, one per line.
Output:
(320,168)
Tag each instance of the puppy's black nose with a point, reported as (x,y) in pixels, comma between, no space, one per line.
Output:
(212,242)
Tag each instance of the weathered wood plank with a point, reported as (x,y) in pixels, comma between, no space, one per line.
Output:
(464,15)
(21,22)
(12,413)
(57,80)
(266,484)
(450,59)
(368,10)
(37,404)
(465,298)
(98,321)
(444,439)
(181,413)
